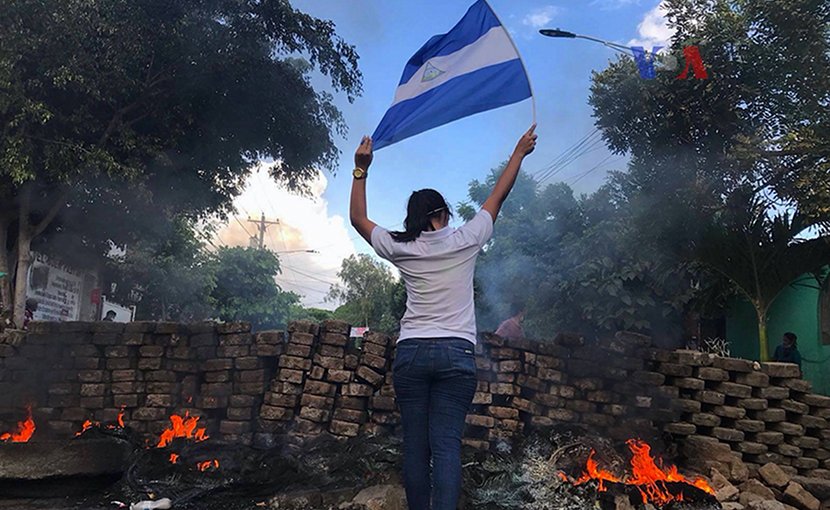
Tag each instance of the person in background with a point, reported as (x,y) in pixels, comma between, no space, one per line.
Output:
(511,328)
(787,352)
(110,317)
(29,314)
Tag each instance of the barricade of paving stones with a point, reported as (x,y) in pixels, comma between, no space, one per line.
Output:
(245,387)
(251,387)
(764,412)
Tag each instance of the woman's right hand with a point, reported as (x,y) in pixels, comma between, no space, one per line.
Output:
(363,154)
(527,142)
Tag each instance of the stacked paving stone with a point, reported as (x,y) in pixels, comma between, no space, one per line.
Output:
(764,412)
(324,383)
(375,369)
(602,385)
(311,379)
(286,388)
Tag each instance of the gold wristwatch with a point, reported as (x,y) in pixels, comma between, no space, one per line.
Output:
(360,173)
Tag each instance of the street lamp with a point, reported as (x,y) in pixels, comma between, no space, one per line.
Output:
(555,32)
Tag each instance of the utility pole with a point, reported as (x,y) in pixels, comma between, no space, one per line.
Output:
(262,226)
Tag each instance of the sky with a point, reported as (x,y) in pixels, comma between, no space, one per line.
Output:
(386,34)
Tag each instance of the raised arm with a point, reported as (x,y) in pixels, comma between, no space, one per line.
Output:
(357,205)
(508,177)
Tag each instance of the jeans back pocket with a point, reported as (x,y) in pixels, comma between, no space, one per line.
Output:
(405,354)
(463,358)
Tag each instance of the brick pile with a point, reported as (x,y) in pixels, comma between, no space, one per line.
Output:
(764,412)
(311,379)
(602,385)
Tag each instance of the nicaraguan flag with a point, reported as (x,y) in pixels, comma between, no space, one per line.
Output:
(472,68)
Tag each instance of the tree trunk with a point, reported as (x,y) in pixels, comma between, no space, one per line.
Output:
(762,336)
(5,282)
(24,260)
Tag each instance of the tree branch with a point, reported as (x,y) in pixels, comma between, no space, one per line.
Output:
(50,216)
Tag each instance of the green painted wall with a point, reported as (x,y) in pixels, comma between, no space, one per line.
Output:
(796,309)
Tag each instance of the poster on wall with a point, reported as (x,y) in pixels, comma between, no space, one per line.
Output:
(56,288)
(112,311)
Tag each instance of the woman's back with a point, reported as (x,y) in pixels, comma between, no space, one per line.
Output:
(437,269)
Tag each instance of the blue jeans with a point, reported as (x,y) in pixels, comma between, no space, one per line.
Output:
(435,379)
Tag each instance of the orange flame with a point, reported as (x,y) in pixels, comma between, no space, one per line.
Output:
(88,424)
(592,472)
(651,479)
(204,466)
(182,427)
(174,458)
(646,475)
(25,430)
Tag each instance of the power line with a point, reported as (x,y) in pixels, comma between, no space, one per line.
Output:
(595,167)
(311,276)
(541,171)
(310,289)
(243,227)
(586,144)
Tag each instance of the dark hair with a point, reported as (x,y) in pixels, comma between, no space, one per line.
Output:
(517,306)
(791,337)
(423,205)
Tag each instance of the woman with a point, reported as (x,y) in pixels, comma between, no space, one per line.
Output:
(434,368)
(787,352)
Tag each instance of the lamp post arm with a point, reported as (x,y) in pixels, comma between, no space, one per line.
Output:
(609,44)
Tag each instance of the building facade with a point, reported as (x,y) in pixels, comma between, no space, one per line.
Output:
(804,309)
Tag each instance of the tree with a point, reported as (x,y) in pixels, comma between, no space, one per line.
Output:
(246,290)
(371,295)
(168,104)
(725,172)
(576,263)
(301,313)
(170,277)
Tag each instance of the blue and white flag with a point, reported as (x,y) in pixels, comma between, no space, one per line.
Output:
(472,68)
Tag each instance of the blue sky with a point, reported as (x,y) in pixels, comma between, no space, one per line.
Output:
(386,34)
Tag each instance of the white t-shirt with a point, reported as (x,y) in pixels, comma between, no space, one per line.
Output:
(437,269)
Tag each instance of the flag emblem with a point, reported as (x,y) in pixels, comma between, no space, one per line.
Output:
(431,72)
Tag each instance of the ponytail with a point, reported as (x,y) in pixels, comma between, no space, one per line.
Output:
(423,206)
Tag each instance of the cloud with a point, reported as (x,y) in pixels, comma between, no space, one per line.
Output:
(304,224)
(653,30)
(540,17)
(609,5)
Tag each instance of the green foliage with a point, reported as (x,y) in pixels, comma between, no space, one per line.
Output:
(173,276)
(119,116)
(576,263)
(179,279)
(370,294)
(762,253)
(246,290)
(300,313)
